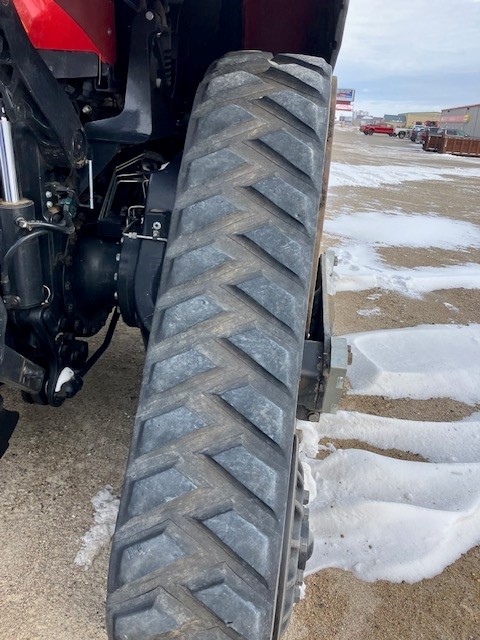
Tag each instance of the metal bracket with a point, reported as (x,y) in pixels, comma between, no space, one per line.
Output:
(143,252)
(15,370)
(145,106)
(325,357)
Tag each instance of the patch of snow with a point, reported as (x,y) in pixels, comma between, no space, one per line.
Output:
(427,361)
(398,229)
(473,417)
(363,175)
(434,441)
(451,307)
(360,268)
(100,533)
(369,312)
(308,480)
(386,519)
(308,437)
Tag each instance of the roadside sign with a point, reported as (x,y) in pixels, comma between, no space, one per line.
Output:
(345,95)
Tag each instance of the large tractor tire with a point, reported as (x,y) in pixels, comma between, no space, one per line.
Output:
(211,536)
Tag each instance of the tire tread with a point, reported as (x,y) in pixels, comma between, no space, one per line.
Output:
(203,511)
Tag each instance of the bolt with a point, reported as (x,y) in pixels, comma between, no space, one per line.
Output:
(158,83)
(49,204)
(70,308)
(115,296)
(87,109)
(117,257)
(150,16)
(115,276)
(314,416)
(48,194)
(68,286)
(157,225)
(109,31)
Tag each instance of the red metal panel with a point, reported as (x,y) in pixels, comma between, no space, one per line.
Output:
(280,25)
(76,25)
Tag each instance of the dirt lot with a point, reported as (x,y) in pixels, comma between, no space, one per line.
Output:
(59,459)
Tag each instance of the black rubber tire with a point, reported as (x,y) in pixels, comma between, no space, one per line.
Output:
(197,553)
(370,132)
(401,135)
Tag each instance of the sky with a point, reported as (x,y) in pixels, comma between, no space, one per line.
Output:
(411,55)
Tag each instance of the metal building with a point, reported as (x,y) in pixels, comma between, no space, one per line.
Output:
(420,117)
(465,118)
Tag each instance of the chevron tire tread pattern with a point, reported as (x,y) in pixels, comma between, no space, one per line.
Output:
(197,551)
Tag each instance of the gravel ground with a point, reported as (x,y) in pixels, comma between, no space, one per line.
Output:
(59,459)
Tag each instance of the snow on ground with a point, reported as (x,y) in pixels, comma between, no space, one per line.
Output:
(98,536)
(369,312)
(434,441)
(365,175)
(362,500)
(379,517)
(360,268)
(399,229)
(387,519)
(427,361)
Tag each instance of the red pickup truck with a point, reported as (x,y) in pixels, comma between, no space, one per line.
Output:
(370,129)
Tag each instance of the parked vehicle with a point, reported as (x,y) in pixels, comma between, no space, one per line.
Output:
(157,165)
(401,132)
(424,133)
(370,129)
(415,131)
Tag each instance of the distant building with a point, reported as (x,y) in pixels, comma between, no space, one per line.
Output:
(420,117)
(465,118)
(395,120)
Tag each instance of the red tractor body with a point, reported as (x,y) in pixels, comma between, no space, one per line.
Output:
(89,25)
(287,25)
(71,25)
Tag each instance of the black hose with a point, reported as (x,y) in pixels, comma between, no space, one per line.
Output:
(104,346)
